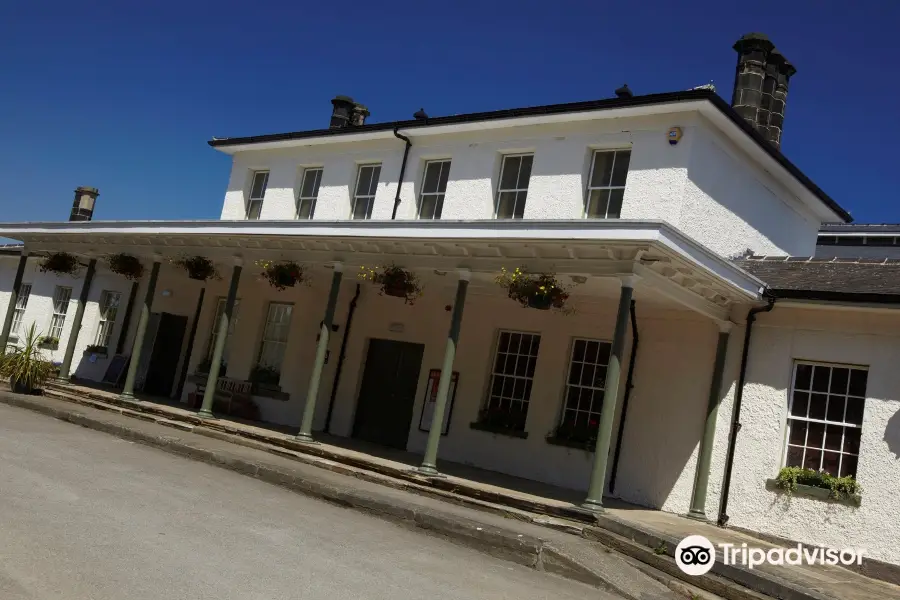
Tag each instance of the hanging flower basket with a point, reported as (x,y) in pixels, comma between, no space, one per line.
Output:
(394,281)
(541,291)
(197,267)
(281,275)
(61,263)
(126,265)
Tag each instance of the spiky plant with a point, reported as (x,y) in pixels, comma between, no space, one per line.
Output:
(26,367)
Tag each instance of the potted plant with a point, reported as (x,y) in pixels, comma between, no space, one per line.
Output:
(394,281)
(501,420)
(283,274)
(126,265)
(26,367)
(265,377)
(542,291)
(49,342)
(61,263)
(96,349)
(582,434)
(197,267)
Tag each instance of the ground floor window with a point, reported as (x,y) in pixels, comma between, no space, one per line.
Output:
(61,297)
(19,311)
(825,417)
(109,307)
(275,337)
(511,378)
(584,390)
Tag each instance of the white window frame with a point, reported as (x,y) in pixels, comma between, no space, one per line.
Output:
(61,297)
(108,311)
(590,188)
(19,311)
(252,200)
(826,422)
(516,190)
(275,345)
(368,197)
(301,199)
(444,164)
(494,401)
(214,331)
(597,391)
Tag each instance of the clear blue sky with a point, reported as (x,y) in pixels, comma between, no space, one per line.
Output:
(125,99)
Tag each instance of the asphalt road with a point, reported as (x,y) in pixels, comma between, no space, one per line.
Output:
(84,515)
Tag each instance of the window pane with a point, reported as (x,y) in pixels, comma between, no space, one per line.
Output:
(505,205)
(835,409)
(373,182)
(432,176)
(598,204)
(306,209)
(602,169)
(794,457)
(254,210)
(510,174)
(364,181)
(803,377)
(855,411)
(830,462)
(820,379)
(798,433)
(615,203)
(519,210)
(362,209)
(817,406)
(258,189)
(858,382)
(311,179)
(848,465)
(851,440)
(445,175)
(620,170)
(800,406)
(813,459)
(839,378)
(834,435)
(816,435)
(525,172)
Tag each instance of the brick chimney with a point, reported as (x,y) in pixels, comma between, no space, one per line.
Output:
(83,207)
(761,85)
(347,113)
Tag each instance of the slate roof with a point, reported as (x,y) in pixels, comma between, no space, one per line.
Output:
(848,279)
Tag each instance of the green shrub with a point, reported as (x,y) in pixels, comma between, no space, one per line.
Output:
(26,366)
(840,487)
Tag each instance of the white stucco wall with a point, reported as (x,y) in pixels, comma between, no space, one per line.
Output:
(779,338)
(703,185)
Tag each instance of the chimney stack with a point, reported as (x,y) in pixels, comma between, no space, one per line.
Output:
(83,207)
(347,113)
(761,85)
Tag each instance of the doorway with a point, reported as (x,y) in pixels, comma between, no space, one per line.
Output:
(388,393)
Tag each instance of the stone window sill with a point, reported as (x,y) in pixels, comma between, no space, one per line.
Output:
(498,430)
(574,444)
(816,493)
(99,353)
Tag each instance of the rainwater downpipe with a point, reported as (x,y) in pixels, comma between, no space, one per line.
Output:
(629,383)
(340,364)
(736,411)
(402,170)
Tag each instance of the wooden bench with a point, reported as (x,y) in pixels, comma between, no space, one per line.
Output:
(232,397)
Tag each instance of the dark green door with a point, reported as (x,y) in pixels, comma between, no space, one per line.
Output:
(385,407)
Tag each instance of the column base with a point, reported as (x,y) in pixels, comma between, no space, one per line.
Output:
(427,471)
(305,438)
(590,508)
(205,414)
(697,515)
(63,380)
(126,396)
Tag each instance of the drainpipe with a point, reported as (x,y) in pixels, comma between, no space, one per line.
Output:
(402,171)
(736,410)
(629,379)
(340,363)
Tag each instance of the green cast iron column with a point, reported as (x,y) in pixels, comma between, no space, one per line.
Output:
(137,345)
(216,360)
(429,462)
(66,365)
(594,500)
(309,410)
(701,479)
(13,298)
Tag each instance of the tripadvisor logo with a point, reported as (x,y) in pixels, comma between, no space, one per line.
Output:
(696,555)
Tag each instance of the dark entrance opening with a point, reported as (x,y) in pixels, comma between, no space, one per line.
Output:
(385,407)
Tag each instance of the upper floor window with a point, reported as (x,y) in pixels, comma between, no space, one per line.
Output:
(825,417)
(606,184)
(434,186)
(309,191)
(257,193)
(513,189)
(364,194)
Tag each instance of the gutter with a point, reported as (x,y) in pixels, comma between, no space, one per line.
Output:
(629,383)
(340,365)
(400,136)
(736,410)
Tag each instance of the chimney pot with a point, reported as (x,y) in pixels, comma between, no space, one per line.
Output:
(624,92)
(83,206)
(358,114)
(420,115)
(341,111)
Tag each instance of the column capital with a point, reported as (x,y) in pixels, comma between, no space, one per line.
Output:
(724,326)
(338,266)
(157,257)
(465,274)
(630,280)
(238,260)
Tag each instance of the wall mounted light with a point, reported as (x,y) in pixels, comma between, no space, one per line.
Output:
(674,135)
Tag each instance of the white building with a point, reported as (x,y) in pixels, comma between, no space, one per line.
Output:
(646,207)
